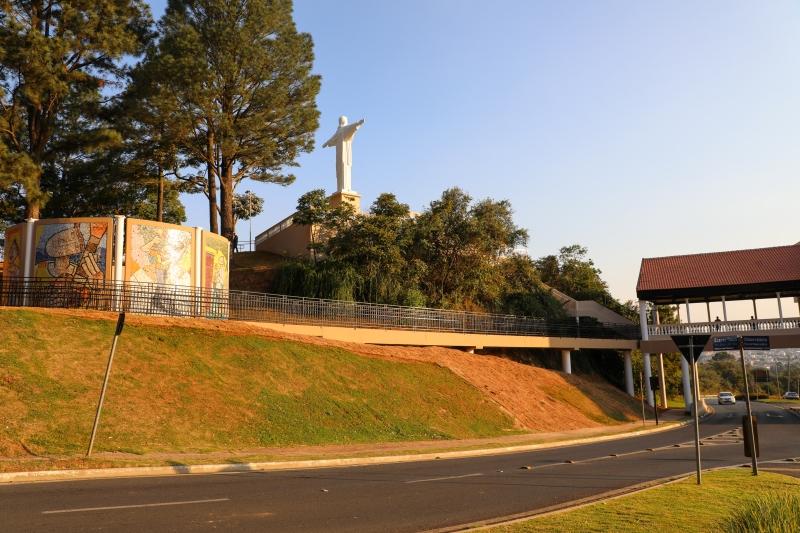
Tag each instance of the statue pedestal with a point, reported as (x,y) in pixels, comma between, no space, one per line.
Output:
(350,197)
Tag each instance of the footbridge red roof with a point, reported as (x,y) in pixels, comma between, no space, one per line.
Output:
(738,274)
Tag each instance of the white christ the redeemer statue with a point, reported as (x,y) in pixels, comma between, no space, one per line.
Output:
(343,141)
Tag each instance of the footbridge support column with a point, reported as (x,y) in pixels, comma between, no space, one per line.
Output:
(628,373)
(646,356)
(566,361)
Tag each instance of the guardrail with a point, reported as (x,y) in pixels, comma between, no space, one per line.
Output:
(169,300)
(733,326)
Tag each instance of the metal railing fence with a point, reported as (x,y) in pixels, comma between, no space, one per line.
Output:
(731,326)
(182,301)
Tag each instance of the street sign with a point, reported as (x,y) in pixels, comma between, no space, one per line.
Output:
(723,344)
(691,344)
(655,383)
(755,343)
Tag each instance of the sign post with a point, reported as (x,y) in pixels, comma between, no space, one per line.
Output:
(655,385)
(751,343)
(687,344)
(117,333)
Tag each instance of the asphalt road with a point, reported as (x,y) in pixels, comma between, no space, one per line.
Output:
(398,497)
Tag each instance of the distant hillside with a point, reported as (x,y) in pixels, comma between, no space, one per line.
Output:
(226,386)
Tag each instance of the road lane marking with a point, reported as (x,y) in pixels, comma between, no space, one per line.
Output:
(160,504)
(442,478)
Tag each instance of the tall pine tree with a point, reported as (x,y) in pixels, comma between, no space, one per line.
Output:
(240,75)
(56,57)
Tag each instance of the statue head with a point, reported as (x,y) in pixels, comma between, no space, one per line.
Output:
(343,121)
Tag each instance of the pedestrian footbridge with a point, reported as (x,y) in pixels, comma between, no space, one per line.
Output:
(693,283)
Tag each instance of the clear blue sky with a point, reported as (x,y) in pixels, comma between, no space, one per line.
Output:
(637,129)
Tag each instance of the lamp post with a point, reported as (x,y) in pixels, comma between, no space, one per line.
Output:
(250,217)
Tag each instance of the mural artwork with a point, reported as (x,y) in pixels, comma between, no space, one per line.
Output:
(159,253)
(14,253)
(215,261)
(72,249)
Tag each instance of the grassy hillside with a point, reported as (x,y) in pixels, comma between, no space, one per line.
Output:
(201,390)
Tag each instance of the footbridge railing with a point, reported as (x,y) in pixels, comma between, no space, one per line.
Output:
(182,301)
(733,326)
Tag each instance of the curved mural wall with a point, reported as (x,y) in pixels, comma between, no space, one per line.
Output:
(74,249)
(83,250)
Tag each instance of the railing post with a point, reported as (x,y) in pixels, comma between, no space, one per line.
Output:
(28,260)
(118,274)
(198,269)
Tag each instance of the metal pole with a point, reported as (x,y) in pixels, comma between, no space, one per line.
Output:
(655,410)
(250,217)
(117,333)
(695,377)
(749,411)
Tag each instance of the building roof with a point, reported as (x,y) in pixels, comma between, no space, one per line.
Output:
(741,274)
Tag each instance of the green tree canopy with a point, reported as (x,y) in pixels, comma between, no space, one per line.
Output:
(56,57)
(240,75)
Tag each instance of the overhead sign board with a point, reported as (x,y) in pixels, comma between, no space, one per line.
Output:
(722,344)
(755,343)
(690,345)
(749,342)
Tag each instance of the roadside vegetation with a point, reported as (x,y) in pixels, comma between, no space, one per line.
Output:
(770,513)
(730,500)
(457,253)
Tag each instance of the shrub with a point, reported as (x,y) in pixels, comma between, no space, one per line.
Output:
(771,513)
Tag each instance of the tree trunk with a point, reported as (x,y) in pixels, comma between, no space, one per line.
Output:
(34,208)
(160,200)
(213,220)
(226,198)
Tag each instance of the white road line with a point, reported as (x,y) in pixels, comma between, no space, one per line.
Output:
(442,478)
(162,504)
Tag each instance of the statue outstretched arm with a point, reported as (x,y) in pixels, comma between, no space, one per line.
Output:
(332,141)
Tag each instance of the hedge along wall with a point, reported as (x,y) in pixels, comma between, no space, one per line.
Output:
(84,250)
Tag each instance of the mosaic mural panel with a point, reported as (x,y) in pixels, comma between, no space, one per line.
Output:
(14,252)
(216,252)
(159,253)
(72,249)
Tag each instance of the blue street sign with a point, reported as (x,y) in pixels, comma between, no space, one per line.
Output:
(722,344)
(755,343)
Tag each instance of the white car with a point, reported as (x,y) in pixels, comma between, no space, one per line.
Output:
(791,396)
(726,397)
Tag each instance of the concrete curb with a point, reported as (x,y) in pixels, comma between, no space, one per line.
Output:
(153,471)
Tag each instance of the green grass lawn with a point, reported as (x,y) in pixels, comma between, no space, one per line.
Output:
(184,389)
(676,403)
(682,506)
(791,403)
